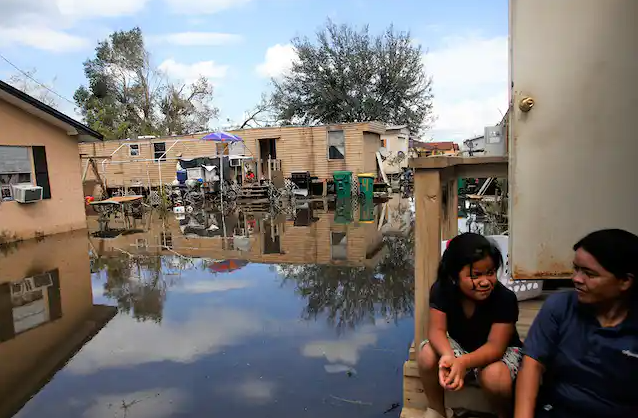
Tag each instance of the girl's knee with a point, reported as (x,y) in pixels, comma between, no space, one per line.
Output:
(496,379)
(427,359)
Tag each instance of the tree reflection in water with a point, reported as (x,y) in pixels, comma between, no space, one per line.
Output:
(352,296)
(138,284)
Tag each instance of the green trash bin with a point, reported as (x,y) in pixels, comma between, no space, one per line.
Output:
(366,211)
(366,185)
(343,183)
(343,211)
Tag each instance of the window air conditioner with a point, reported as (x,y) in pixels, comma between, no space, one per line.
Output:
(235,162)
(27,193)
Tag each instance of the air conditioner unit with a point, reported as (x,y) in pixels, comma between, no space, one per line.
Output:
(27,193)
(235,162)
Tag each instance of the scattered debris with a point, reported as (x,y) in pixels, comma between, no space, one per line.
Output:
(392,407)
(351,401)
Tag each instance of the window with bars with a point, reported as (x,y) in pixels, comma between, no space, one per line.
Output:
(159,151)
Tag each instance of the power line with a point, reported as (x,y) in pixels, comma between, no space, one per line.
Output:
(27,75)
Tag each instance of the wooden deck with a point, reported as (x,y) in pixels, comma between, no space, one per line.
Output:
(472,398)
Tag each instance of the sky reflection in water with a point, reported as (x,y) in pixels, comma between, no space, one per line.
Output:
(198,336)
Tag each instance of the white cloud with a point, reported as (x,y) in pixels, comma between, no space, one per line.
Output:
(100,8)
(470,76)
(197,38)
(152,403)
(204,6)
(343,351)
(47,24)
(41,38)
(279,60)
(211,286)
(258,391)
(190,72)
(180,342)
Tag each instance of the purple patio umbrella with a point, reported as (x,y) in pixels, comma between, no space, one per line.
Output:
(221,137)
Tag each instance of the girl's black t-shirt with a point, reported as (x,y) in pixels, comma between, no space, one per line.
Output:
(501,307)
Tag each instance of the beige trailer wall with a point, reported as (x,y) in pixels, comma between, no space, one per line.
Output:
(573,157)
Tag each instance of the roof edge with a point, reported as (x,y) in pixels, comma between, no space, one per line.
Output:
(19,94)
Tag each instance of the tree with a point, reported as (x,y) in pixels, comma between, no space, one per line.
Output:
(259,116)
(187,109)
(351,76)
(128,96)
(26,82)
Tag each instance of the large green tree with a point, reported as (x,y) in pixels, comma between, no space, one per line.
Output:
(128,96)
(350,75)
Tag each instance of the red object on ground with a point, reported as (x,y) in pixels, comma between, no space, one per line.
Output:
(89,199)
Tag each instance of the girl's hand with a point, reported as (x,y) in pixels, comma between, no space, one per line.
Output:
(456,376)
(445,364)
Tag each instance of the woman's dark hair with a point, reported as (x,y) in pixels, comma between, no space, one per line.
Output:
(616,250)
(463,250)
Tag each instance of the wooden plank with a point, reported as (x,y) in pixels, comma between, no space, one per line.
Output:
(412,352)
(118,200)
(438,162)
(427,197)
(449,227)
(471,397)
(411,413)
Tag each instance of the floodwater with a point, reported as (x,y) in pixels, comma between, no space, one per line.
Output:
(305,314)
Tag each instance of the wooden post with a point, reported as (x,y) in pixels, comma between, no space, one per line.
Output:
(427,195)
(452,210)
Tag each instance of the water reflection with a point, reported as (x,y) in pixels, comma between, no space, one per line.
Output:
(349,296)
(137,283)
(350,261)
(46,313)
(210,322)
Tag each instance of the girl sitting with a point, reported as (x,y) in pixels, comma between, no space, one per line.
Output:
(472,327)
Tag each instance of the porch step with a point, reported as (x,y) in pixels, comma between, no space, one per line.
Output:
(412,413)
(253,192)
(470,398)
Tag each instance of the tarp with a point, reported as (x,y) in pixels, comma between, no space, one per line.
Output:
(205,161)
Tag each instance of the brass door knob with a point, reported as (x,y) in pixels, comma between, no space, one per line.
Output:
(526,104)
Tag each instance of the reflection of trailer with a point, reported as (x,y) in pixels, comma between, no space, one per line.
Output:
(127,205)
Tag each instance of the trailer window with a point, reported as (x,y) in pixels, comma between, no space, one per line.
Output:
(159,150)
(134,150)
(336,145)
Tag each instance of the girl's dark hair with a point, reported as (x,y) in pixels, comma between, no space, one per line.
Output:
(465,249)
(616,250)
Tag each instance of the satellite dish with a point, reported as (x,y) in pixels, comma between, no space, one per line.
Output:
(384,152)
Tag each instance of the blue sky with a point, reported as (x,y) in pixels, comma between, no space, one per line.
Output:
(240,44)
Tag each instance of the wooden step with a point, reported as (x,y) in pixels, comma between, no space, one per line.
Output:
(412,413)
(471,397)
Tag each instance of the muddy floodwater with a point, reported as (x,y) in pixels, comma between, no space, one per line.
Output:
(304,314)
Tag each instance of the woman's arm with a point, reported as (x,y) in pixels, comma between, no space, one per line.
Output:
(493,350)
(437,333)
(527,385)
(540,347)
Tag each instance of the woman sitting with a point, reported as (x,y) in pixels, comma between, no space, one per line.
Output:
(583,345)
(472,327)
